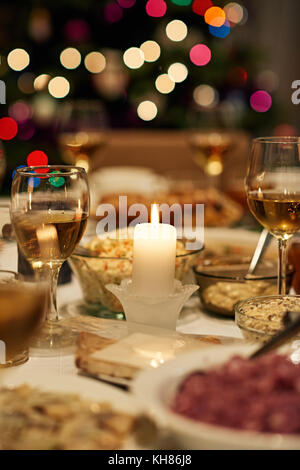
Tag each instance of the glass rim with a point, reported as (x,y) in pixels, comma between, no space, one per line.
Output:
(277,140)
(32,172)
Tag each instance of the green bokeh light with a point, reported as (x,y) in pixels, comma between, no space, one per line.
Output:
(57,181)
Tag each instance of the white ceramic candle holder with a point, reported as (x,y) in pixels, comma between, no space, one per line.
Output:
(162,312)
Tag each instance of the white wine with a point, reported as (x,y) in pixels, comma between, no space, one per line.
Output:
(49,236)
(277,212)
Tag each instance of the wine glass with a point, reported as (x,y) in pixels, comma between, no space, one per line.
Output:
(273,192)
(49,212)
(80,130)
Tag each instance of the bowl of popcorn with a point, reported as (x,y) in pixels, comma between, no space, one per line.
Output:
(101,261)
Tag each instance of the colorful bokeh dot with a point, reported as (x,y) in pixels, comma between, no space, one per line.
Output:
(113,12)
(56,181)
(38,158)
(200,54)
(156,8)
(126,3)
(221,31)
(182,3)
(8,128)
(261,101)
(14,172)
(215,16)
(200,6)
(34,182)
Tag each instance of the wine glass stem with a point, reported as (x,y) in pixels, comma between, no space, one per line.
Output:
(282,245)
(50,274)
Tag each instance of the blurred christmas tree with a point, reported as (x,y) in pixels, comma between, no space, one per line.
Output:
(154,64)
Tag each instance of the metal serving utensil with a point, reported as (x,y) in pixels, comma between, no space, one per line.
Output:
(262,245)
(292,320)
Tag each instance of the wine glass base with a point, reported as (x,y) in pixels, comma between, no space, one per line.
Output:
(54,339)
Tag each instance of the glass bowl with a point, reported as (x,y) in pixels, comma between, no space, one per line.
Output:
(94,272)
(222,282)
(260,318)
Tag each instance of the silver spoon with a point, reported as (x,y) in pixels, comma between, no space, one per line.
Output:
(262,245)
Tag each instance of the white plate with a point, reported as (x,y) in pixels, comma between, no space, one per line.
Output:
(157,387)
(88,389)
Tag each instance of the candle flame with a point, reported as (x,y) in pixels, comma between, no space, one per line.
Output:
(154,214)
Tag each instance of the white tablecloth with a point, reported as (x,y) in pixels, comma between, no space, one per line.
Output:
(192,321)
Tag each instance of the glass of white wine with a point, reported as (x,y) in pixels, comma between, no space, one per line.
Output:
(273,191)
(49,213)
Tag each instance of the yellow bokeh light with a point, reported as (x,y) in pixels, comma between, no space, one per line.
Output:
(147,110)
(151,51)
(178,72)
(164,84)
(95,62)
(206,96)
(70,58)
(41,82)
(215,16)
(18,59)
(133,58)
(234,12)
(58,87)
(176,30)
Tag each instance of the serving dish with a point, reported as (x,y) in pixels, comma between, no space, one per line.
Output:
(156,390)
(223,282)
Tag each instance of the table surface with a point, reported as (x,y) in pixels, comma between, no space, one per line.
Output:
(193,320)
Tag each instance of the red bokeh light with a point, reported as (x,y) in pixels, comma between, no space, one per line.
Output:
(200,54)
(156,8)
(8,128)
(200,6)
(113,12)
(38,158)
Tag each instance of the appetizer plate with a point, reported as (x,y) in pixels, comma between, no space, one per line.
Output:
(156,389)
(87,388)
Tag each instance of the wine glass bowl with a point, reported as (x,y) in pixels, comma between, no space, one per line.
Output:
(273,193)
(49,213)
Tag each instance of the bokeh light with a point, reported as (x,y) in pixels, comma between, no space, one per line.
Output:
(178,72)
(147,110)
(133,58)
(200,6)
(70,58)
(59,87)
(20,111)
(151,50)
(267,80)
(57,181)
(126,3)
(41,82)
(234,12)
(14,172)
(34,182)
(164,84)
(200,54)
(156,8)
(8,128)
(18,59)
(215,16)
(182,3)
(221,31)
(261,101)
(25,82)
(44,108)
(26,130)
(206,96)
(37,158)
(77,30)
(113,12)
(283,130)
(176,30)
(95,62)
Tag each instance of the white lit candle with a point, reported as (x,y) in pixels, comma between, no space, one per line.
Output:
(154,253)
